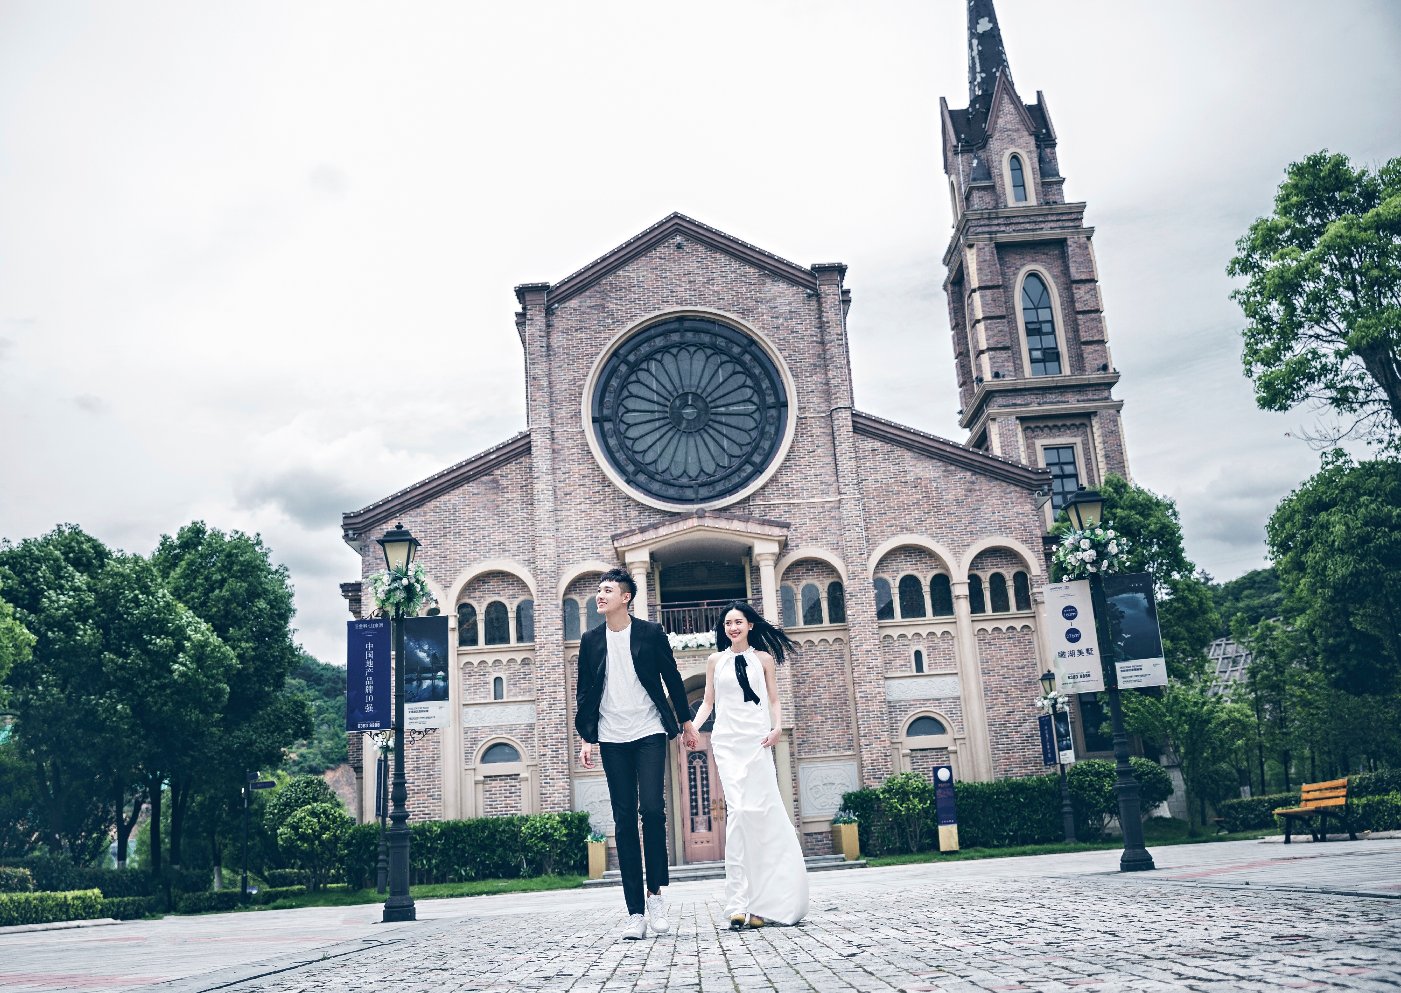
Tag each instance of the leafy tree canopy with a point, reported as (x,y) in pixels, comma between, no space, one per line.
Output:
(16,643)
(1323,296)
(1248,599)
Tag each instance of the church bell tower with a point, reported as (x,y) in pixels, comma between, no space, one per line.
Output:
(1035,376)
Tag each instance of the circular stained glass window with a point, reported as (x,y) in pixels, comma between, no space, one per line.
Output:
(690,410)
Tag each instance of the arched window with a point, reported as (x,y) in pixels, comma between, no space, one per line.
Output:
(836,603)
(885,604)
(925,726)
(1014,166)
(498,624)
(997,593)
(592,618)
(1021,590)
(953,199)
(812,604)
(919,660)
(787,607)
(525,621)
(466,625)
(500,752)
(941,596)
(911,597)
(498,688)
(1040,321)
(571,619)
(976,603)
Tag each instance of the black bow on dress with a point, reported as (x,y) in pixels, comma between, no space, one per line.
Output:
(742,674)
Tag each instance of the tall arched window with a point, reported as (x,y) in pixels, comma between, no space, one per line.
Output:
(1040,320)
(997,593)
(911,596)
(941,595)
(571,619)
(919,660)
(466,625)
(1014,166)
(592,618)
(787,607)
(498,624)
(976,603)
(812,604)
(885,603)
(525,621)
(1021,590)
(498,688)
(836,603)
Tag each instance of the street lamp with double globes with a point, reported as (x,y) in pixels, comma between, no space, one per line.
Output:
(399,548)
(1085,510)
(1067,812)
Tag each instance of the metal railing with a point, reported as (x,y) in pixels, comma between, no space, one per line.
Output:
(695,616)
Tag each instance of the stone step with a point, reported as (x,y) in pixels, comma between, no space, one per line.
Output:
(716,870)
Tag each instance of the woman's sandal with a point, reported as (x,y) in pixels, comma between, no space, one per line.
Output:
(754,923)
(737,922)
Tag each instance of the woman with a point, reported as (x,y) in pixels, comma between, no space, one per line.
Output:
(765,876)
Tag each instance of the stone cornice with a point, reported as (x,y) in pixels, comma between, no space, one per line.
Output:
(985,390)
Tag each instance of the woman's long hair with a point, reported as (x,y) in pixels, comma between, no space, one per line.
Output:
(764,636)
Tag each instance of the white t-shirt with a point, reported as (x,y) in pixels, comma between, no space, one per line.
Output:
(625,712)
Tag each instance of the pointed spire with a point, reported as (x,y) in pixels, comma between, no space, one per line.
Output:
(987,59)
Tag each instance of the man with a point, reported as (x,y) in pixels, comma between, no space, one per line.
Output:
(623,710)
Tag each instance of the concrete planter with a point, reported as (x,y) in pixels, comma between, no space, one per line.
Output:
(598,858)
(845,842)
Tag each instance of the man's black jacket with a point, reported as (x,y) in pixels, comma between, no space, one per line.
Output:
(651,659)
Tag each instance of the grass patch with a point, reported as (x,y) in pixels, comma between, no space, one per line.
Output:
(428,891)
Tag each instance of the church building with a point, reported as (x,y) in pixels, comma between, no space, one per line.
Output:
(690,417)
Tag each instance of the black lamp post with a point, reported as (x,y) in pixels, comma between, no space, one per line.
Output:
(1085,509)
(399,548)
(1067,812)
(382,812)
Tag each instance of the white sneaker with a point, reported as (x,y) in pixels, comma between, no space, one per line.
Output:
(656,914)
(635,927)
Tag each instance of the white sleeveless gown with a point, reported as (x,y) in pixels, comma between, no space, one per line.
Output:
(764,870)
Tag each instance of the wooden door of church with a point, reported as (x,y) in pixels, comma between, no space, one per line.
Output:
(702,802)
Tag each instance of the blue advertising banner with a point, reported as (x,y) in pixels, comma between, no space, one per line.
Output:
(943,795)
(367,672)
(1048,740)
(426,655)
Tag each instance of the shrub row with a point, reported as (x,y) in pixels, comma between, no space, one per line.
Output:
(46,908)
(128,908)
(274,893)
(286,877)
(13,879)
(1366,784)
(1253,813)
(54,874)
(203,903)
(1381,812)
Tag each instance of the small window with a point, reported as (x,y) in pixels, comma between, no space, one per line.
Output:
(1065,476)
(836,603)
(571,619)
(592,618)
(925,727)
(787,607)
(919,660)
(1018,179)
(941,596)
(500,752)
(1040,321)
(997,593)
(525,621)
(498,688)
(498,624)
(885,603)
(812,604)
(466,625)
(976,603)
(911,597)
(1021,590)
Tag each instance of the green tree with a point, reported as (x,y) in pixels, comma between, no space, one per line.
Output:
(312,838)
(908,799)
(1336,543)
(292,796)
(1249,598)
(324,688)
(1323,296)
(16,644)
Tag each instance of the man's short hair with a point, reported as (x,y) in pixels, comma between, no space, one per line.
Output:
(621,577)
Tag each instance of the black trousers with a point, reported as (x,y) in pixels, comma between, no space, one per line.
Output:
(636,774)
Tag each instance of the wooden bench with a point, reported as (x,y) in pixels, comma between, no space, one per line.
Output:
(1317,803)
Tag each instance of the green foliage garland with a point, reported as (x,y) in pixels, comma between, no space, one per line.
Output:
(401,589)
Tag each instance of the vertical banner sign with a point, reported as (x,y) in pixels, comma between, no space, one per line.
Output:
(1065,744)
(944,808)
(426,672)
(1070,619)
(1136,641)
(367,672)
(1048,740)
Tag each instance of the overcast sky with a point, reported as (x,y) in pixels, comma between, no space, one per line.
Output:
(257,259)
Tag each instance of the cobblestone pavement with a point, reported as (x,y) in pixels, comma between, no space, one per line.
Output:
(1225,917)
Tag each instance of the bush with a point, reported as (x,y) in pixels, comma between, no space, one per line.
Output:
(46,908)
(54,874)
(312,838)
(203,903)
(16,880)
(542,843)
(303,791)
(127,908)
(287,877)
(907,799)
(275,893)
(1094,795)
(873,828)
(1253,813)
(1374,783)
(1380,812)
(1024,811)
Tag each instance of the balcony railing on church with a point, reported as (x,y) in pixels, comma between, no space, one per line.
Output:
(695,616)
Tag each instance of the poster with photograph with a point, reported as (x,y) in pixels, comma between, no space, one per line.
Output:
(1070,620)
(426,661)
(1134,637)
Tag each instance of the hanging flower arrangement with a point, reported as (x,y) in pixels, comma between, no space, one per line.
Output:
(692,642)
(1053,701)
(401,589)
(1093,550)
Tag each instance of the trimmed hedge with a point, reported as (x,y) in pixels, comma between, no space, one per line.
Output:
(203,903)
(1253,813)
(47,908)
(53,874)
(275,893)
(127,908)
(286,877)
(1381,812)
(16,880)
(1374,783)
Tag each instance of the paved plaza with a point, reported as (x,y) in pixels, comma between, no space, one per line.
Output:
(1231,916)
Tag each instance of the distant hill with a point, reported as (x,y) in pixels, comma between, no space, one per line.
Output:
(324,686)
(1253,597)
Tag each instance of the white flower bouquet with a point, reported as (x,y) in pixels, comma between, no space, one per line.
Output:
(700,641)
(1054,700)
(1093,550)
(403,589)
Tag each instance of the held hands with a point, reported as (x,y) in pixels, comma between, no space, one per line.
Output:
(771,739)
(690,739)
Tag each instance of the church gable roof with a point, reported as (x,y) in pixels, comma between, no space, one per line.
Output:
(951,452)
(668,228)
